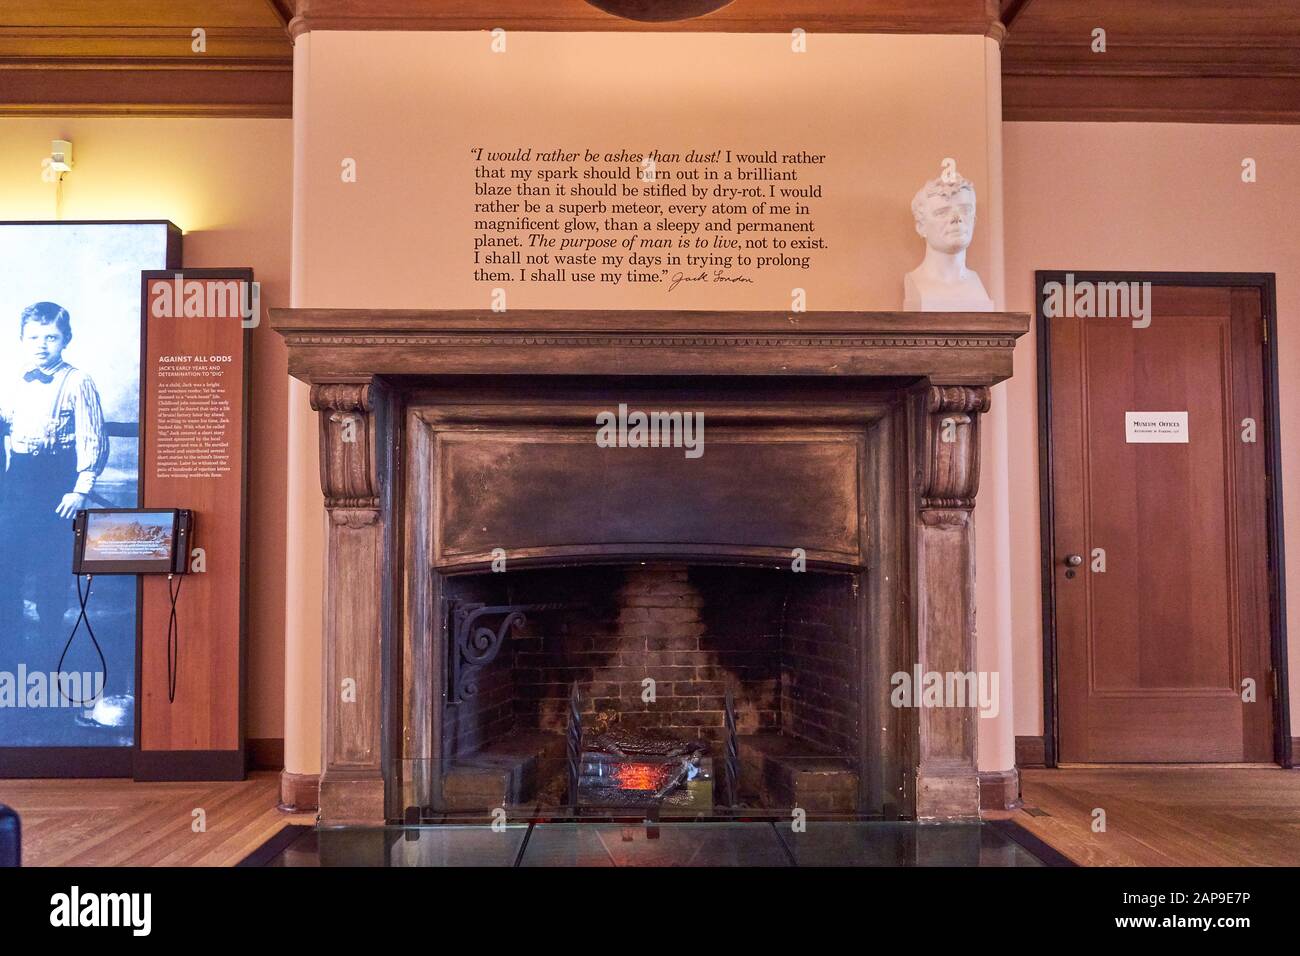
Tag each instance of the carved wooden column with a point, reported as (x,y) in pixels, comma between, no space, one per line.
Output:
(947,783)
(352,782)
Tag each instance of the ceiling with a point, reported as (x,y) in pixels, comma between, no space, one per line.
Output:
(136,57)
(1234,61)
(1165,60)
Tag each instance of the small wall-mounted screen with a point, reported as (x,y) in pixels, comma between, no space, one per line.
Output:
(128,541)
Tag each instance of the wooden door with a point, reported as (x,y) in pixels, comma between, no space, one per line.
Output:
(1167,611)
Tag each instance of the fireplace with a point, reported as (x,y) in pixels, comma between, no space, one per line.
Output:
(526,614)
(690,688)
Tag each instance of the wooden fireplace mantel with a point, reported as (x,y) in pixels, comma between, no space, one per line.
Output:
(910,390)
(957,348)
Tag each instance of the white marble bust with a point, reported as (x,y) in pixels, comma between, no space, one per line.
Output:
(944,210)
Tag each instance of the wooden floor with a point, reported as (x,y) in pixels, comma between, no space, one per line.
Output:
(1154,817)
(1166,816)
(122,823)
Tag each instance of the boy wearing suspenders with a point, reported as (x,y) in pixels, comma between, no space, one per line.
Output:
(57,449)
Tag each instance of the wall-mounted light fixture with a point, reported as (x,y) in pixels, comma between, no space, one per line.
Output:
(61,156)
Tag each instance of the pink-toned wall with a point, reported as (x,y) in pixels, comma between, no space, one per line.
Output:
(1155,197)
(226,183)
(1083,196)
(408,108)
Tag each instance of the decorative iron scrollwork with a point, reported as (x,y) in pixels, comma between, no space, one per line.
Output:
(732,751)
(573,745)
(475,643)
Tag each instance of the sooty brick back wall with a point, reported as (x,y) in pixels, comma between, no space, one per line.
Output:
(784,642)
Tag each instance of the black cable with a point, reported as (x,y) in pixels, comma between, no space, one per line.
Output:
(82,599)
(173,639)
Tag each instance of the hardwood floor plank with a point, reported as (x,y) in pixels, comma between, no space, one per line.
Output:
(1167,816)
(1155,816)
(124,823)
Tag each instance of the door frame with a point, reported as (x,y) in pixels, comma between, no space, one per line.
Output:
(1265,283)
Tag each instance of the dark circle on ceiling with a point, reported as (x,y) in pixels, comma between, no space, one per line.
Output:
(658,11)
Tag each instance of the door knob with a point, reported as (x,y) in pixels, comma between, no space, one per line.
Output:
(1073,560)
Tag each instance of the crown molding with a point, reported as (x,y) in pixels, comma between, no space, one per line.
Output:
(128,87)
(144,71)
(1213,63)
(978,17)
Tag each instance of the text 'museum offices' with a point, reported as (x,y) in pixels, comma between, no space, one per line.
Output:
(469,258)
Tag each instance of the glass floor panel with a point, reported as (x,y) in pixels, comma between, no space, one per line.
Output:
(442,845)
(567,844)
(665,844)
(904,844)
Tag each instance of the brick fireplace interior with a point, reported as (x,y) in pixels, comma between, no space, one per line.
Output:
(657,646)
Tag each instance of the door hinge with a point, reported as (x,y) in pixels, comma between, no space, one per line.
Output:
(1273,679)
(1263,321)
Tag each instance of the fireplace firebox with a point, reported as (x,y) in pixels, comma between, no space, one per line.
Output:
(526,613)
(687,688)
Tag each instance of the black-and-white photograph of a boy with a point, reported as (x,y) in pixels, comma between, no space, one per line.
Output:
(70,424)
(57,449)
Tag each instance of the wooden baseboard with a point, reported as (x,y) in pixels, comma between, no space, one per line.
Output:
(163,765)
(999,789)
(265,753)
(91,762)
(299,792)
(352,796)
(1031,752)
(947,793)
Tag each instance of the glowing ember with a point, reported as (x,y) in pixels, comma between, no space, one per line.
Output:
(642,776)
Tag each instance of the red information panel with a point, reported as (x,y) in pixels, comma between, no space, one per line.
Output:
(194,431)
